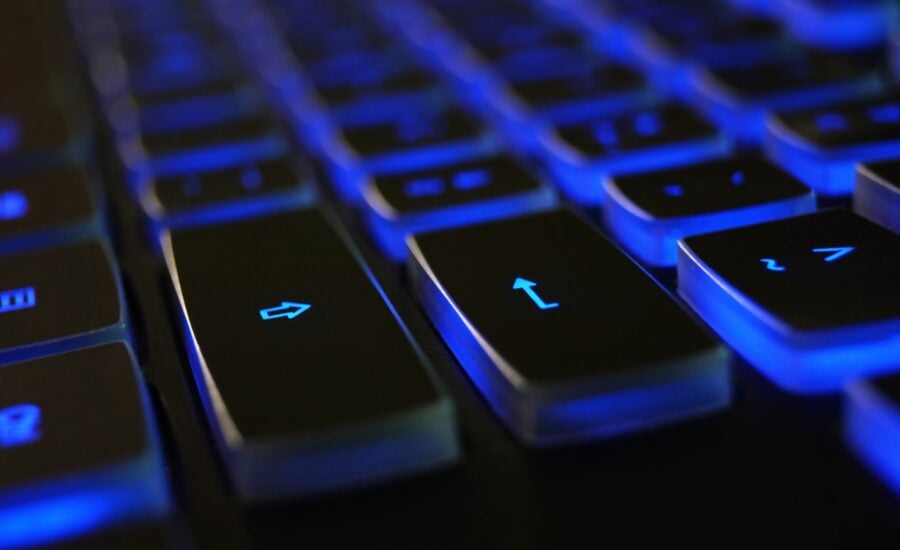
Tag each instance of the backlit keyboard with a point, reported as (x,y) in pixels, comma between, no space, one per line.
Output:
(449,273)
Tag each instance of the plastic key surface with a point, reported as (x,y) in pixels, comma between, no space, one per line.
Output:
(810,301)
(550,321)
(309,380)
(877,193)
(648,212)
(78,447)
(447,196)
(822,146)
(57,299)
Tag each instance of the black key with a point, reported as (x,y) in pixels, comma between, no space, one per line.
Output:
(582,154)
(553,324)
(228,193)
(78,447)
(811,301)
(58,299)
(33,130)
(466,193)
(822,146)
(310,382)
(872,426)
(877,193)
(47,206)
(648,212)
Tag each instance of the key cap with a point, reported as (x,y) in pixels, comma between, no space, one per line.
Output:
(310,381)
(459,194)
(411,141)
(46,207)
(78,446)
(838,24)
(229,193)
(231,141)
(33,132)
(580,155)
(739,100)
(58,299)
(822,146)
(648,212)
(556,337)
(872,425)
(877,193)
(810,301)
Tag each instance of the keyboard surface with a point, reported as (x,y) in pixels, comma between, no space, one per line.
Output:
(449,273)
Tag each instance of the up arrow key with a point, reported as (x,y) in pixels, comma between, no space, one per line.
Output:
(287,310)
(835,252)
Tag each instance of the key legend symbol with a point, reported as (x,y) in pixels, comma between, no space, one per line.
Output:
(528,287)
(772,264)
(19,424)
(287,310)
(20,298)
(13,205)
(835,252)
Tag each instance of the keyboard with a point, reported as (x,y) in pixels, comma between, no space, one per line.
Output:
(449,273)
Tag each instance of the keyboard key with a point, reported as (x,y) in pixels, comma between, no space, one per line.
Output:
(78,446)
(872,425)
(877,193)
(310,381)
(839,24)
(416,140)
(810,301)
(34,131)
(46,207)
(648,212)
(228,193)
(581,155)
(739,100)
(822,146)
(466,193)
(556,337)
(58,299)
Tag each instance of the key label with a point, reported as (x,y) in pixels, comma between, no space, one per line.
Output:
(772,264)
(835,252)
(15,300)
(13,205)
(528,287)
(287,310)
(19,424)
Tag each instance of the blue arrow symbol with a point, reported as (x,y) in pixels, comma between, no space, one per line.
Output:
(288,310)
(527,286)
(771,264)
(835,252)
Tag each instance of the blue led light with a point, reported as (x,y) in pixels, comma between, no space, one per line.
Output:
(872,429)
(799,361)
(737,178)
(772,264)
(831,122)
(647,124)
(424,187)
(605,132)
(528,287)
(19,424)
(471,179)
(17,299)
(834,253)
(287,310)
(13,205)
(888,113)
(673,190)
(251,178)
(9,133)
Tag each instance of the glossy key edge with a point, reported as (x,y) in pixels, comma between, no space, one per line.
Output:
(872,431)
(876,199)
(656,396)
(70,507)
(806,362)
(273,471)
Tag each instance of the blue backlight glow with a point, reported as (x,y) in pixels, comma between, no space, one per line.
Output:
(13,205)
(20,424)
(834,253)
(772,264)
(17,299)
(872,429)
(528,288)
(286,310)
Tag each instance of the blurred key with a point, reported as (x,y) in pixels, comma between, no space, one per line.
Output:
(877,193)
(822,146)
(458,194)
(649,211)
(228,193)
(45,207)
(57,299)
(310,381)
(582,154)
(78,447)
(872,425)
(551,322)
(811,301)
(838,24)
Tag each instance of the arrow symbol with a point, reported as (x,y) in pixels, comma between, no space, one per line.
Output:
(772,264)
(287,310)
(528,287)
(835,252)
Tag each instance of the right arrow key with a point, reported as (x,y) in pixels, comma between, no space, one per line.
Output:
(811,301)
